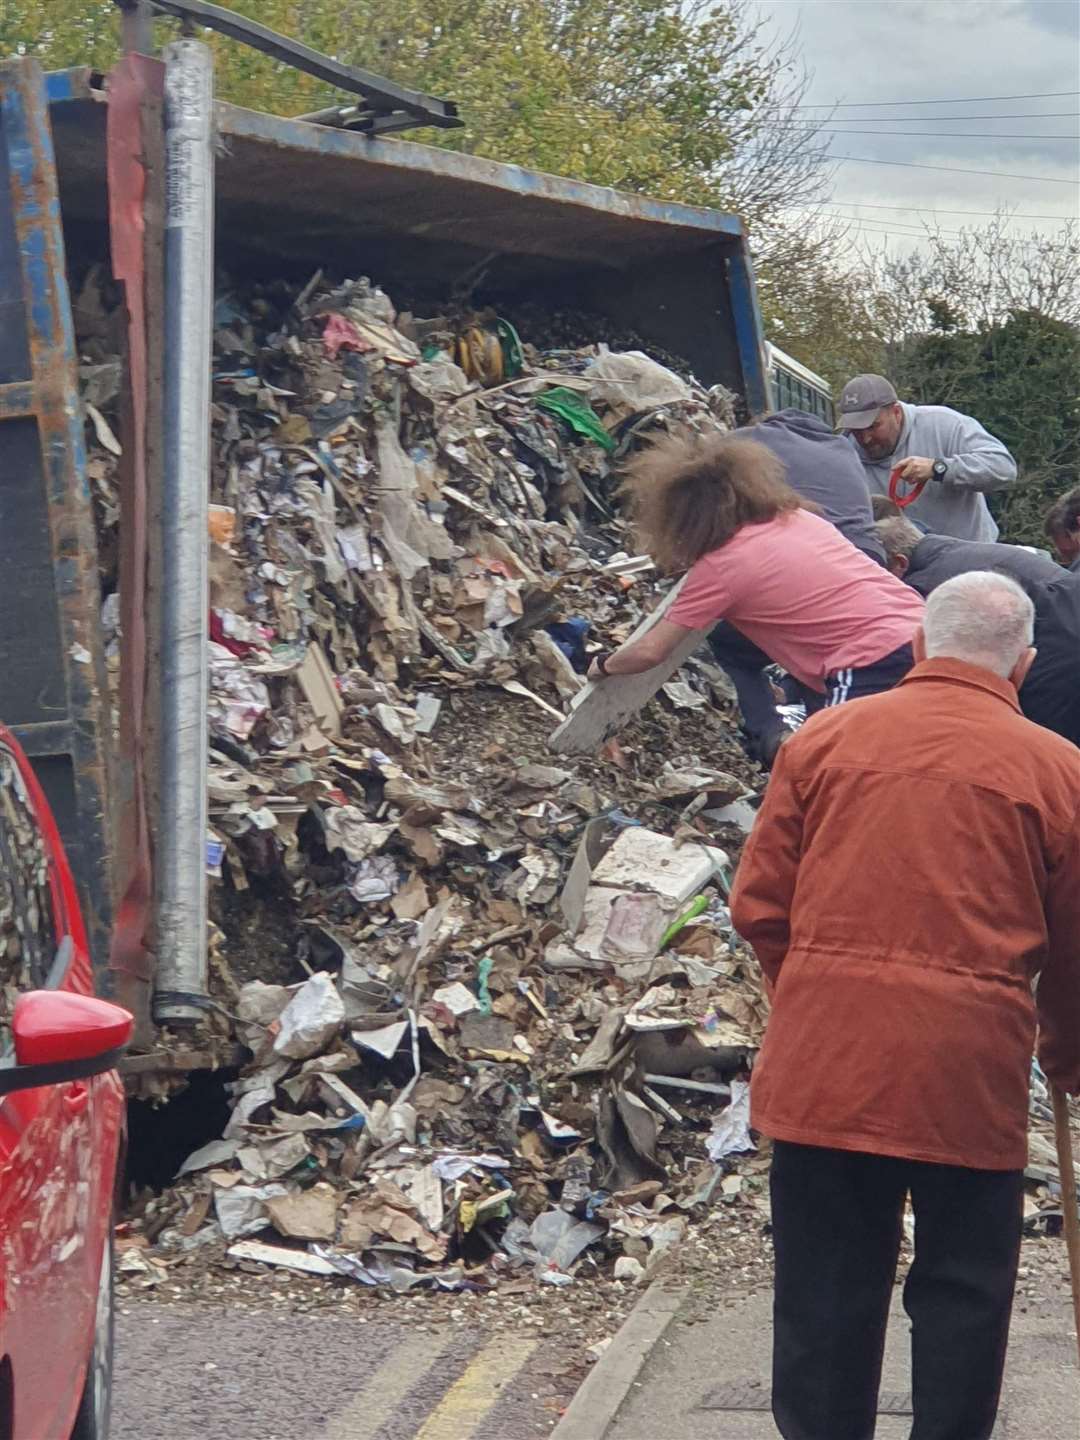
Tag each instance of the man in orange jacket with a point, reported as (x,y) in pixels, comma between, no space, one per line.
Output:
(915,867)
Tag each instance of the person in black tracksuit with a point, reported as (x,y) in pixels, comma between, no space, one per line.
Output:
(1051,693)
(824,469)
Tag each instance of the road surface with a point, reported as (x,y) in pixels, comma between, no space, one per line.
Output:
(193,1372)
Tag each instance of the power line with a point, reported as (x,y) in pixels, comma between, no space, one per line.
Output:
(953,169)
(870,225)
(927,134)
(954,100)
(937,210)
(899,226)
(873,228)
(920,225)
(925,119)
(913,210)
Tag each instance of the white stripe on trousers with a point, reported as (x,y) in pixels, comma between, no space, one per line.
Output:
(842,683)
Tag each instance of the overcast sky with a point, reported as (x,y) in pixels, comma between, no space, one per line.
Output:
(950,51)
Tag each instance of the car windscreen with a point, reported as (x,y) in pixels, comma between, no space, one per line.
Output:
(27,931)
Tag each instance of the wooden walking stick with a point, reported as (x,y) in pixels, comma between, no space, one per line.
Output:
(1067,1169)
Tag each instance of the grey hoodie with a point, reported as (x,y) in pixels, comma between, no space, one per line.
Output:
(978,465)
(819,465)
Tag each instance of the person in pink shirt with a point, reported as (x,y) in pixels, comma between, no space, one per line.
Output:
(759,558)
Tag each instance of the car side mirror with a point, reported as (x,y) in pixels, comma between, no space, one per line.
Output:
(61,1037)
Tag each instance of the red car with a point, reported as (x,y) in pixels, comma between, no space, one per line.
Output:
(61,1132)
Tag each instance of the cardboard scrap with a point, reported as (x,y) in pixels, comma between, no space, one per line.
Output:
(316,680)
(311,1215)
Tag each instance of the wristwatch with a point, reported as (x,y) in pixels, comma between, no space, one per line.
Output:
(601,661)
(939,469)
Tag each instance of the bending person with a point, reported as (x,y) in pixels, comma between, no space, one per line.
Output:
(822,468)
(785,578)
(1051,693)
(1062,528)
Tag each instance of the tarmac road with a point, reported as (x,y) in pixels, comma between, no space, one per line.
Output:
(191,1372)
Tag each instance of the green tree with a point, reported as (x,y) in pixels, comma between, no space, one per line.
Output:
(817,306)
(680,99)
(975,279)
(989,322)
(683,100)
(1021,378)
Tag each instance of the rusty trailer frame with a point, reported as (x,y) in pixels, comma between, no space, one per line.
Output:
(52,673)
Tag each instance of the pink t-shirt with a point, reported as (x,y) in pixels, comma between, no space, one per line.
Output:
(802,593)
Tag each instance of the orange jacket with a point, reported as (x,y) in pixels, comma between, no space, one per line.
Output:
(914,867)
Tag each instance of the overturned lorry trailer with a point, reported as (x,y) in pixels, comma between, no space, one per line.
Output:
(82,181)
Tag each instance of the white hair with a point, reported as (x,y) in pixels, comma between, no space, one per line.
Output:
(982,617)
(899,536)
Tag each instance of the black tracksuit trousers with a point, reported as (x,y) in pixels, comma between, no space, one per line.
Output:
(837,1219)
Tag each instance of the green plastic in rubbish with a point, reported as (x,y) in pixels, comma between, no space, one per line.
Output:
(483,975)
(576,412)
(513,354)
(697,907)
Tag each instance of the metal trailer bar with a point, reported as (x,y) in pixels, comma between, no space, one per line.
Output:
(181,980)
(393,107)
(52,674)
(137,26)
(746,314)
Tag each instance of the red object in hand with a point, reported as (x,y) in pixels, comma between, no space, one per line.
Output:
(907,497)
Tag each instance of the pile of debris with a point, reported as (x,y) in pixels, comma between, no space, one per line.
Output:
(496,1015)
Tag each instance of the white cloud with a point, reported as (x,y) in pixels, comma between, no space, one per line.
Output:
(906,50)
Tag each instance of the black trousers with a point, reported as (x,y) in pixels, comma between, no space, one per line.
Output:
(883,674)
(837,1219)
(746,664)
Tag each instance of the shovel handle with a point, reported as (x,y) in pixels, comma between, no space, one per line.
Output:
(900,497)
(1067,1171)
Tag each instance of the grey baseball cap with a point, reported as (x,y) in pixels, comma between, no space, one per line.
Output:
(862,399)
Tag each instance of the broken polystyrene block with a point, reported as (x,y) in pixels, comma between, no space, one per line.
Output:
(630,1270)
(642,859)
(279,1255)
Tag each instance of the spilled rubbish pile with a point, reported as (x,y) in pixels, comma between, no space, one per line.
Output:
(496,1017)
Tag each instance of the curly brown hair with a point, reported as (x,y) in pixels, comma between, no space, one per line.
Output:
(689,495)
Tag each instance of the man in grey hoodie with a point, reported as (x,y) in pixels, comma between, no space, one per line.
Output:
(959,462)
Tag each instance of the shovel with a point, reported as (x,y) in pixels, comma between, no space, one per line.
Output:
(1067,1169)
